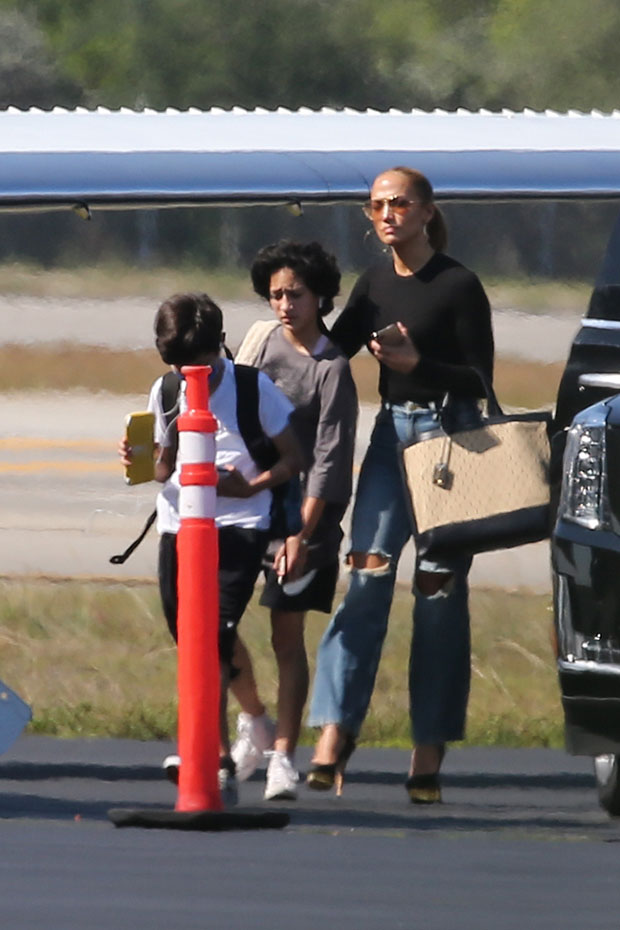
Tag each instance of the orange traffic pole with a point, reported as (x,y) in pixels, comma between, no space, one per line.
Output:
(198,602)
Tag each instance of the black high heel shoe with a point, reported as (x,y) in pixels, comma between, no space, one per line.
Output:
(323,777)
(425,789)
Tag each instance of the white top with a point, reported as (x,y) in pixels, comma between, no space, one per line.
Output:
(274,410)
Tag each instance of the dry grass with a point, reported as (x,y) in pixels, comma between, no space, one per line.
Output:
(69,365)
(96,660)
(527,384)
(91,659)
(517,383)
(66,366)
(117,279)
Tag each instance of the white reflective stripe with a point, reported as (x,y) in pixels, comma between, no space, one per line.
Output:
(600,324)
(196,447)
(197,502)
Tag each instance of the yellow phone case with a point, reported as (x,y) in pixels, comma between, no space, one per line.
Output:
(139,428)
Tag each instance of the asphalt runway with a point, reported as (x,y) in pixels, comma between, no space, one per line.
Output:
(518,842)
(127,323)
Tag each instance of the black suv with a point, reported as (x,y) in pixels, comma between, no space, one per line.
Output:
(585,544)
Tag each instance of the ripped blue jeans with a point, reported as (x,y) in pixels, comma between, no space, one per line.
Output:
(349,652)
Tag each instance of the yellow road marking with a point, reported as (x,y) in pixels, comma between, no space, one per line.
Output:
(19,442)
(33,467)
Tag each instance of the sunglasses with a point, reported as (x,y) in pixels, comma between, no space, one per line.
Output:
(395,204)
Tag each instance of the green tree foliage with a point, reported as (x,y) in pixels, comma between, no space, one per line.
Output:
(185,53)
(28,75)
(357,53)
(559,55)
(426,54)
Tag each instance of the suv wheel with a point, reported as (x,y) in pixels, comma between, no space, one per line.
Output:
(607,774)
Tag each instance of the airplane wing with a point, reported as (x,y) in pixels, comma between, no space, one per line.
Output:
(104,159)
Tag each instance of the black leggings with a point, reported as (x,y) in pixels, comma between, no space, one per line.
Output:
(241,553)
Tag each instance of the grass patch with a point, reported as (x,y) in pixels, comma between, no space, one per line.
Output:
(95,659)
(518,383)
(538,295)
(69,366)
(115,279)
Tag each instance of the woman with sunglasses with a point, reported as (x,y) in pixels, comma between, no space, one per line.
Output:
(437,324)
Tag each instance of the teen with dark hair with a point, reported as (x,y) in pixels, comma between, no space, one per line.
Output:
(188,331)
(308,261)
(300,281)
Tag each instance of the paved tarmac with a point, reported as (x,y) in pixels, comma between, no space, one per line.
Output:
(519,841)
(128,324)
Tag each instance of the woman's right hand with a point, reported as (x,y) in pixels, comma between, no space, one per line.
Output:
(402,357)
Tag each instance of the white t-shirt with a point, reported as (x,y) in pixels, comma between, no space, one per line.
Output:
(274,410)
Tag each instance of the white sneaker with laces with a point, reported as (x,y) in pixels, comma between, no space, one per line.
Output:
(255,735)
(282,778)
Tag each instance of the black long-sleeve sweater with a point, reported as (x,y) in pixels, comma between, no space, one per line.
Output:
(447,314)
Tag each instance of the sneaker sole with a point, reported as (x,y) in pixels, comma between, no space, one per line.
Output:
(285,795)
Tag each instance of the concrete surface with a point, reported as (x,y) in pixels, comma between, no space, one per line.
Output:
(128,323)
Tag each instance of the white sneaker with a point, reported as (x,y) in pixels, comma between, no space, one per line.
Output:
(255,735)
(282,778)
(227,784)
(171,766)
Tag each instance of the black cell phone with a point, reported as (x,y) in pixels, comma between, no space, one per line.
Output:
(388,336)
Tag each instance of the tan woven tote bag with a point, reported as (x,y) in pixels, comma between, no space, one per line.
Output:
(483,488)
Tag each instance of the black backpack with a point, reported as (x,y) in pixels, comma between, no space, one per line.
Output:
(285,497)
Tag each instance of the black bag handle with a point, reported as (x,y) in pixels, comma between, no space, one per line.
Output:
(493,405)
(494,408)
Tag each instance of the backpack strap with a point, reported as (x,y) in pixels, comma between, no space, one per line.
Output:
(260,446)
(170,393)
(284,515)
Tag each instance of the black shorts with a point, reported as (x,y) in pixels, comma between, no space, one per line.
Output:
(241,553)
(317,596)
